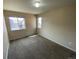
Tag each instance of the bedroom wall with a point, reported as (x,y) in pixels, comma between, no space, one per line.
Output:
(30,22)
(5,41)
(59,25)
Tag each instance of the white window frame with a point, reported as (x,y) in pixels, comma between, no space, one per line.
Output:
(18,24)
(39,22)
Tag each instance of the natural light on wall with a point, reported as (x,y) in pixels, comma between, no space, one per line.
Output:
(39,22)
(17,23)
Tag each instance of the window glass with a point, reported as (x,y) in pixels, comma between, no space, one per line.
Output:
(17,23)
(39,22)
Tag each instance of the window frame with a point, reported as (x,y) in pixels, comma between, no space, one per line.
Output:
(39,22)
(18,28)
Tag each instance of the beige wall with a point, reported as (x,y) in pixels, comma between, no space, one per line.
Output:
(30,21)
(5,41)
(59,25)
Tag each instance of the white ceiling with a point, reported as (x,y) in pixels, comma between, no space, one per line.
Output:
(27,6)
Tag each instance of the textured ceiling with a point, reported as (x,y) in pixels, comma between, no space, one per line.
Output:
(27,6)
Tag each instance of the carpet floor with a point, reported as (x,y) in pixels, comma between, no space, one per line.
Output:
(37,47)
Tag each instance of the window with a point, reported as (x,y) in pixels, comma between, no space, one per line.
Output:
(17,23)
(39,22)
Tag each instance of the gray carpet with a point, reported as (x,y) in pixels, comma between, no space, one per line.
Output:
(37,47)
